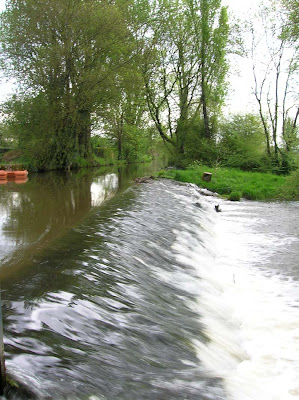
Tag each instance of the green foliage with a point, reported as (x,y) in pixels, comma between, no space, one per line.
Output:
(197,147)
(184,69)
(62,52)
(290,190)
(111,66)
(2,135)
(234,196)
(134,145)
(242,142)
(290,152)
(291,30)
(123,118)
(213,61)
(30,123)
(103,150)
(80,162)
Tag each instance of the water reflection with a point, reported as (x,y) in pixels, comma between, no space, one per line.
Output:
(102,188)
(32,215)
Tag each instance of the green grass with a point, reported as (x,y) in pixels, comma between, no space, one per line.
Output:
(290,189)
(234,184)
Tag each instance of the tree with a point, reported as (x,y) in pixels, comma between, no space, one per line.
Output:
(242,142)
(123,113)
(213,63)
(291,28)
(30,124)
(63,50)
(275,67)
(185,66)
(291,134)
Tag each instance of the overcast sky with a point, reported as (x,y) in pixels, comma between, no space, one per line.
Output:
(240,97)
(240,89)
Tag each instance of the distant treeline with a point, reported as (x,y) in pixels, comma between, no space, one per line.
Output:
(104,82)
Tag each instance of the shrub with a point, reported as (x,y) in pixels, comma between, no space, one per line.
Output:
(80,162)
(234,196)
(251,164)
(242,142)
(250,194)
(290,190)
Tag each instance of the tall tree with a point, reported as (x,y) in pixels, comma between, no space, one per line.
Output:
(185,66)
(64,49)
(122,116)
(275,67)
(213,63)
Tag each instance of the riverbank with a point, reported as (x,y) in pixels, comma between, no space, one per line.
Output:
(235,184)
(96,162)
(16,160)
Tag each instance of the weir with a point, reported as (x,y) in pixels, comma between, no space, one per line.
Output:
(153,294)
(2,357)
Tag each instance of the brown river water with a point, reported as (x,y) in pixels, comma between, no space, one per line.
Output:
(114,290)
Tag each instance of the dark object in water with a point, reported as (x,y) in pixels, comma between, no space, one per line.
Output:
(197,204)
(217,208)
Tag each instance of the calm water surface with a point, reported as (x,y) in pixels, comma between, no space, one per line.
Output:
(113,290)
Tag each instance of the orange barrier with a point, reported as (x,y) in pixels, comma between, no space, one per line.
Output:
(12,175)
(21,174)
(15,176)
(3,174)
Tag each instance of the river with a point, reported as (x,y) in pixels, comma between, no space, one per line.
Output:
(114,290)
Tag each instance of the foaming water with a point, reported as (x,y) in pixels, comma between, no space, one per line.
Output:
(247,302)
(157,296)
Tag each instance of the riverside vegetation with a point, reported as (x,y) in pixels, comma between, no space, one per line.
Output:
(234,184)
(120,82)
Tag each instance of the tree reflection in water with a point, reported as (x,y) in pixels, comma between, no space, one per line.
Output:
(49,204)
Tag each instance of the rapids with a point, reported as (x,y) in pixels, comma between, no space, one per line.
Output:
(145,292)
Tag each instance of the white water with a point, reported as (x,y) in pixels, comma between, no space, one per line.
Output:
(249,309)
(147,280)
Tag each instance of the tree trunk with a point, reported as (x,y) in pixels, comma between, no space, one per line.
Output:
(120,130)
(206,118)
(205,110)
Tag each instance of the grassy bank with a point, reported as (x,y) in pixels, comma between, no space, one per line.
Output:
(235,184)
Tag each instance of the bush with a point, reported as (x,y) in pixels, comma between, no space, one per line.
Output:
(234,196)
(290,190)
(242,142)
(251,164)
(80,162)
(250,194)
